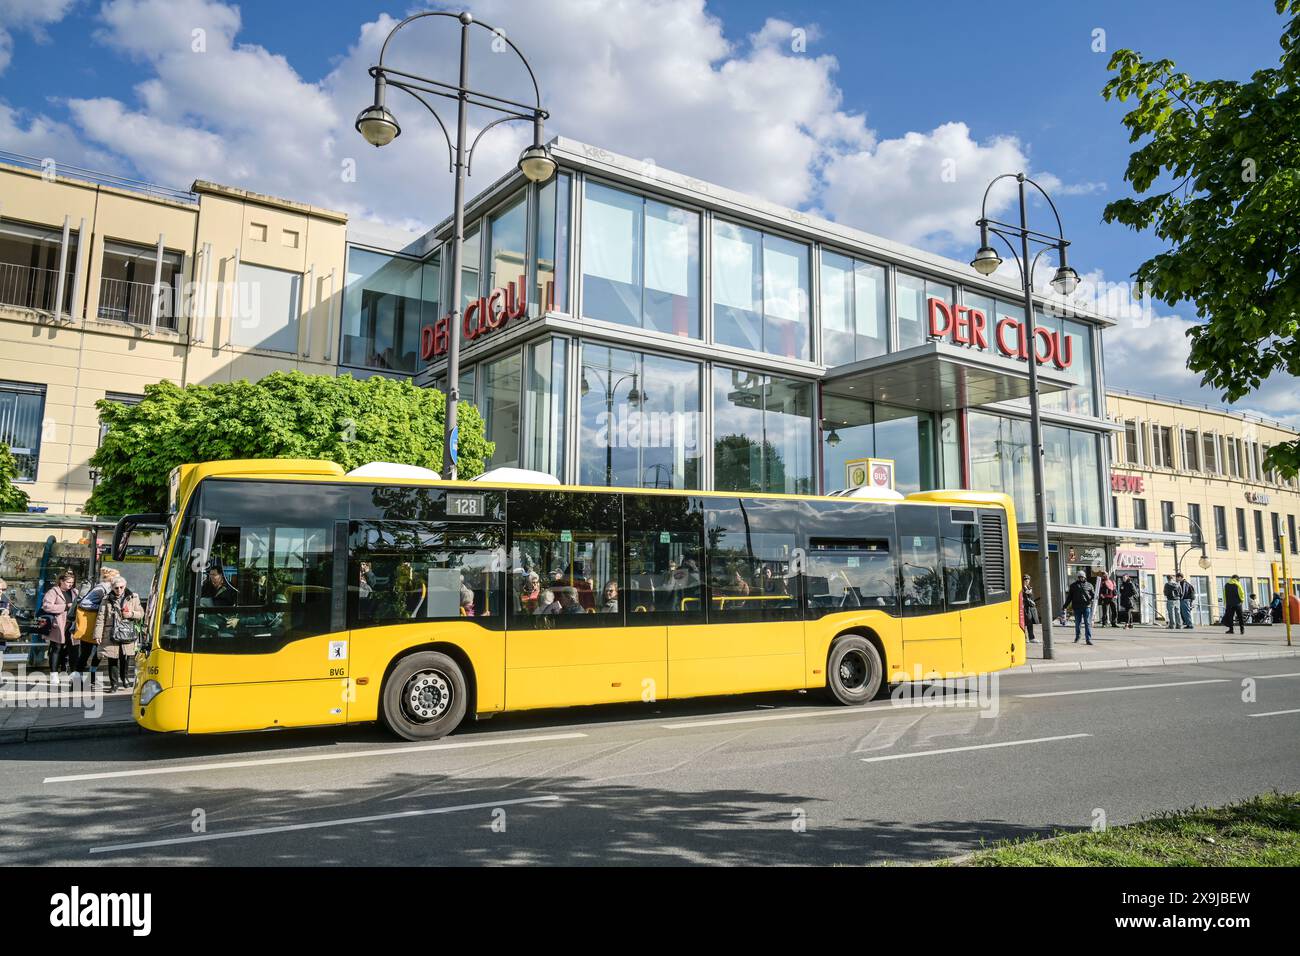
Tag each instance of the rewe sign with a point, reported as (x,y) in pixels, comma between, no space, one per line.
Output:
(970,326)
(482,316)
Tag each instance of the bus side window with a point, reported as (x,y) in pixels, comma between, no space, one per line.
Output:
(754,572)
(850,574)
(573,543)
(920,568)
(664,559)
(963,563)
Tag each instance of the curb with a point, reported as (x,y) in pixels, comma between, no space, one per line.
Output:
(32,735)
(1120,663)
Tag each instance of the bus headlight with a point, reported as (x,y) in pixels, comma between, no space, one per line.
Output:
(148,691)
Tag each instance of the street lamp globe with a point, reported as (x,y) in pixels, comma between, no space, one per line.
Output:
(378,125)
(1204,563)
(986,261)
(1066,280)
(536,163)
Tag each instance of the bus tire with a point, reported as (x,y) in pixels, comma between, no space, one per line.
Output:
(424,697)
(853,670)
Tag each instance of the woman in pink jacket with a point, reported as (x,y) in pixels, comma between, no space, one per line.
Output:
(60,603)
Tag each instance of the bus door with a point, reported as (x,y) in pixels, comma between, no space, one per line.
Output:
(750,636)
(932,631)
(269,638)
(571,637)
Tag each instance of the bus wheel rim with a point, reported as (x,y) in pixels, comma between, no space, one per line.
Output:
(853,670)
(427,696)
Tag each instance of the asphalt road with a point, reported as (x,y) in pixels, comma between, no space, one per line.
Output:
(776,779)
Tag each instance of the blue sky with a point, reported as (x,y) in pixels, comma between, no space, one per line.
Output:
(854,127)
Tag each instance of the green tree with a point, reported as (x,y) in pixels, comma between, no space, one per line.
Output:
(1230,153)
(285,415)
(11,498)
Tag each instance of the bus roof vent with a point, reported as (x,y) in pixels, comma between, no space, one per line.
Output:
(392,469)
(517,476)
(870,494)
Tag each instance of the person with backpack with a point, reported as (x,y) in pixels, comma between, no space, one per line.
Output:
(1079,599)
(58,621)
(115,630)
(1106,594)
(1171,602)
(87,612)
(1234,597)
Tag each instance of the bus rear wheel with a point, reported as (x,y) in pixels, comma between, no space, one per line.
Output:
(853,670)
(424,697)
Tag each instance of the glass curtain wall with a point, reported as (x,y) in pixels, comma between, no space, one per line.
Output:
(763,431)
(760,291)
(855,314)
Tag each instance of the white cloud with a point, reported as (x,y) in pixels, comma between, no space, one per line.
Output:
(30,16)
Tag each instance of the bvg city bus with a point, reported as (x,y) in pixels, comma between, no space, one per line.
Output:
(290,594)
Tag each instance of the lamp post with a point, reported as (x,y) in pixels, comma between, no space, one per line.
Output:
(379,127)
(634,395)
(1065,280)
(1200,543)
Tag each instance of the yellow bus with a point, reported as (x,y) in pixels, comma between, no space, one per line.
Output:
(290,595)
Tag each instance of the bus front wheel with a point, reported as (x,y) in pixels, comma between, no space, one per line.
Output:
(853,670)
(424,697)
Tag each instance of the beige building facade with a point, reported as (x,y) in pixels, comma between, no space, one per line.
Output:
(107,286)
(1199,470)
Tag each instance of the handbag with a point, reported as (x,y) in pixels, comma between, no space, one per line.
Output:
(8,627)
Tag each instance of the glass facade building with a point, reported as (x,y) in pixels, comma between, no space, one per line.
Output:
(679,335)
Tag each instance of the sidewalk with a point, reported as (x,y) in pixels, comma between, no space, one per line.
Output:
(28,714)
(1156,645)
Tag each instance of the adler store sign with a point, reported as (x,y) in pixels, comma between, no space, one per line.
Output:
(483,316)
(965,325)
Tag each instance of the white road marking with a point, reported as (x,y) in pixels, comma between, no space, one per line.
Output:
(1107,690)
(1270,676)
(938,703)
(385,752)
(1275,713)
(292,827)
(953,750)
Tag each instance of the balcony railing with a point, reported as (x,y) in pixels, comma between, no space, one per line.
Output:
(132,302)
(29,287)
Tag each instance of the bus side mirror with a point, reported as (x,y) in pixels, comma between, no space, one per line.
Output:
(127,524)
(205,533)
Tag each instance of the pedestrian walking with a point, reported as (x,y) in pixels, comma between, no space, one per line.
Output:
(1171,602)
(1234,597)
(9,630)
(1129,600)
(58,606)
(1106,594)
(1186,598)
(1028,609)
(1079,599)
(115,631)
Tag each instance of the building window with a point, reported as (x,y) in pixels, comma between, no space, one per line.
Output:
(855,311)
(1243,543)
(1277,531)
(471,264)
(552,244)
(1290,534)
(640,420)
(1234,456)
(1000,460)
(913,294)
(1114,511)
(1210,453)
(22,409)
(500,406)
(1166,516)
(29,266)
(1140,514)
(1079,399)
(1259,530)
(1191,455)
(1162,446)
(1131,454)
(268,308)
(762,432)
(507,242)
(385,302)
(1221,527)
(544,406)
(126,286)
(863,429)
(760,291)
(1194,519)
